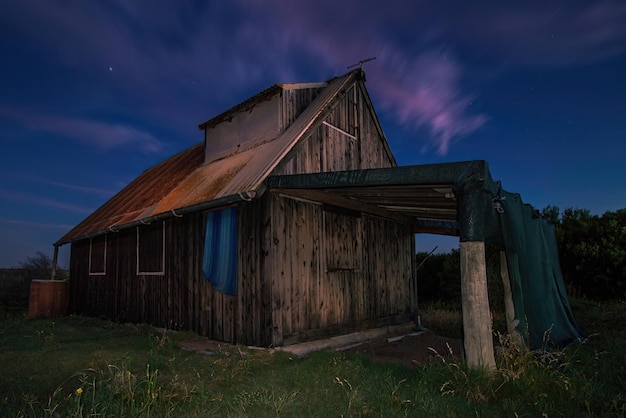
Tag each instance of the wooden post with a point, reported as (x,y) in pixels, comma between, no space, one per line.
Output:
(509,307)
(478,340)
(54,262)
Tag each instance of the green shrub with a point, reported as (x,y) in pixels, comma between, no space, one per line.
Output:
(592,251)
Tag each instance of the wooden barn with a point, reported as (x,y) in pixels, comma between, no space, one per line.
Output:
(291,222)
(201,241)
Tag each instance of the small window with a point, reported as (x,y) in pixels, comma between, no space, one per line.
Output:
(98,256)
(151,249)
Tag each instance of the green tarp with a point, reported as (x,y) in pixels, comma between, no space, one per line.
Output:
(541,304)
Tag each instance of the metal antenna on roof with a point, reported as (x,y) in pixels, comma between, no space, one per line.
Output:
(360,63)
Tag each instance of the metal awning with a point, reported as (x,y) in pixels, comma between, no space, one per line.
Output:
(425,196)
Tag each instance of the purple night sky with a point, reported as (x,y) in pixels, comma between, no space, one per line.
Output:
(93,93)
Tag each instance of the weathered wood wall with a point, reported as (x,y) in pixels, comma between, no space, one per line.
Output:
(294,102)
(331,272)
(180,298)
(328,149)
(254,320)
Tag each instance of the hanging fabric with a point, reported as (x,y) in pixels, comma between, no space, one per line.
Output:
(219,264)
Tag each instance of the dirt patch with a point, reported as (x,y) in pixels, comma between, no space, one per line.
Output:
(205,346)
(410,350)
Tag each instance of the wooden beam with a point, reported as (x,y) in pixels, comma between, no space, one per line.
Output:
(445,174)
(407,201)
(433,212)
(421,229)
(477,331)
(336,200)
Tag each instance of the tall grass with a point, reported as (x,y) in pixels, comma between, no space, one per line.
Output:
(82,367)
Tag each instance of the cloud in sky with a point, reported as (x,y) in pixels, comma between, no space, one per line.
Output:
(191,62)
(167,58)
(32,179)
(43,201)
(418,84)
(103,135)
(419,89)
(83,189)
(541,34)
(43,225)
(424,92)
(94,191)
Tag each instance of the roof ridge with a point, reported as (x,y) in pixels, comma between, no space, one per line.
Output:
(225,115)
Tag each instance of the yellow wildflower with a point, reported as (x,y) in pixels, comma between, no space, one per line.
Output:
(79,391)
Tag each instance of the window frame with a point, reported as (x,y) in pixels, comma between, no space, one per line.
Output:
(104,262)
(151,273)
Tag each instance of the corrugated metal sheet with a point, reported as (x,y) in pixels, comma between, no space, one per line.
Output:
(183,181)
(137,199)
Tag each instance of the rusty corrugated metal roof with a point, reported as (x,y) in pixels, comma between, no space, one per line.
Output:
(135,200)
(184,181)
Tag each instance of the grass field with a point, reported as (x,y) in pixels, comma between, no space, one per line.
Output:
(85,367)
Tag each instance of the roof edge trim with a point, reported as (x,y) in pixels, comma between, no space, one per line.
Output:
(298,86)
(212,204)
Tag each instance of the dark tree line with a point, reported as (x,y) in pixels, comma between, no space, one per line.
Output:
(15,282)
(38,266)
(592,253)
(439,277)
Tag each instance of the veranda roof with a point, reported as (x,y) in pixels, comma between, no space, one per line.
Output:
(426,196)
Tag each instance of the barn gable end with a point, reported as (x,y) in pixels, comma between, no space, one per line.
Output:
(334,271)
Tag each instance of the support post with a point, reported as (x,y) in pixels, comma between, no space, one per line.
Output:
(509,307)
(477,330)
(55,260)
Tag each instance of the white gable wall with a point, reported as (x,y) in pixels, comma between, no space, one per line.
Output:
(257,124)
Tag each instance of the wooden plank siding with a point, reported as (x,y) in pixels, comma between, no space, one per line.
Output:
(254,319)
(294,101)
(331,272)
(180,298)
(327,149)
(324,283)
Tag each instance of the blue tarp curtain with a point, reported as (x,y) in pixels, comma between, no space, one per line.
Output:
(219,264)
